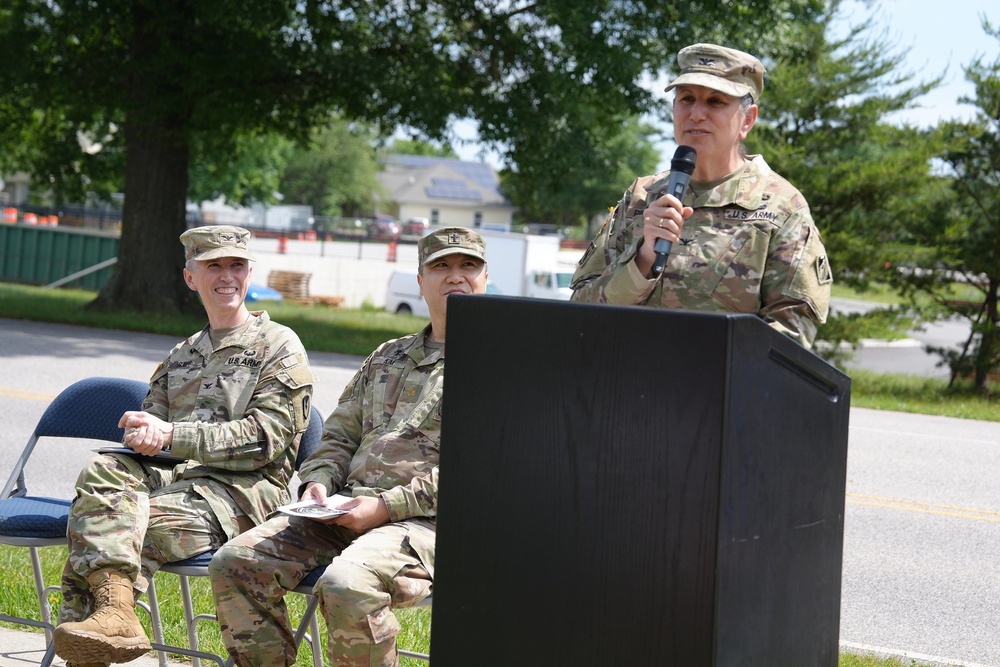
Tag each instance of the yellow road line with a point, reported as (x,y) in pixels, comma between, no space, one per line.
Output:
(27,394)
(991,516)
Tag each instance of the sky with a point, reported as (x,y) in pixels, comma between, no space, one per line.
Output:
(941,37)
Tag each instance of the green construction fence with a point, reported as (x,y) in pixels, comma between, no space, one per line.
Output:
(43,255)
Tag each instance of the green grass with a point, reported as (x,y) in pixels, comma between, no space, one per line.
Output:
(922,395)
(17,598)
(320,328)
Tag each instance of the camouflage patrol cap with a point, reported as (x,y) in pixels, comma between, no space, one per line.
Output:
(726,70)
(449,241)
(203,243)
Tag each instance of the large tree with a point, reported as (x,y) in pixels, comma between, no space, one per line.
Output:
(826,125)
(160,77)
(959,246)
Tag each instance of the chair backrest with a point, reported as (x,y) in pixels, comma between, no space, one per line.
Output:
(311,438)
(87,409)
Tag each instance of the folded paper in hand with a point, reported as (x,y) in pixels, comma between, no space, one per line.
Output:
(310,509)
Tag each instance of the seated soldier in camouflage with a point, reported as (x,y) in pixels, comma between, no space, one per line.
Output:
(234,401)
(380,452)
(743,238)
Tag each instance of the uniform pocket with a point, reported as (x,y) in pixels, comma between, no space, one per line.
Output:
(383,625)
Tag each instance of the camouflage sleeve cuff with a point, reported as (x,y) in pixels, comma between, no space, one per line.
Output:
(184,442)
(401,504)
(628,286)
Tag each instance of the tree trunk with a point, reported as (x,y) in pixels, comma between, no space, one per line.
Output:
(148,276)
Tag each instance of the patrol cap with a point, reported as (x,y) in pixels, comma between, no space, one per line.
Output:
(202,243)
(449,241)
(726,70)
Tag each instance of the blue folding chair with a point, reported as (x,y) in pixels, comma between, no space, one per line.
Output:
(197,566)
(88,409)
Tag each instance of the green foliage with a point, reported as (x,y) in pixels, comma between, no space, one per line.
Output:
(335,172)
(824,125)
(419,147)
(246,169)
(171,81)
(601,171)
(964,242)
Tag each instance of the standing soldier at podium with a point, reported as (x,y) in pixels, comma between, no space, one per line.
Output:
(743,240)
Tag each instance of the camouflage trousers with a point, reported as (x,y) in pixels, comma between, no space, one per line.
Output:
(133,517)
(368,575)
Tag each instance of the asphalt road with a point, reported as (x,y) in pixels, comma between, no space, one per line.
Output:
(906,356)
(921,575)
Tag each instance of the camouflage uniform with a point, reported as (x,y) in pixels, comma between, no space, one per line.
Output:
(382,441)
(750,247)
(239,412)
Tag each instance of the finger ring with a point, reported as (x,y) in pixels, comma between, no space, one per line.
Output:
(133,430)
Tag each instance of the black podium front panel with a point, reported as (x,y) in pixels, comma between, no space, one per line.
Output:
(634,486)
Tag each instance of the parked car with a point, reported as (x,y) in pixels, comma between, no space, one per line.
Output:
(262,293)
(383,228)
(416,227)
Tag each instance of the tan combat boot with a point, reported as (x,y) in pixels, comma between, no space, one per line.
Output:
(112,633)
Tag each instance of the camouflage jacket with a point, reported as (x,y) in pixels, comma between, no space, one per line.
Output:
(384,437)
(238,411)
(750,247)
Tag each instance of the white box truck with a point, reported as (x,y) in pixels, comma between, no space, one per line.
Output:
(527,265)
(519,265)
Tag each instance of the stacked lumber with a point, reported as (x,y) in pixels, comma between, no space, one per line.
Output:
(293,285)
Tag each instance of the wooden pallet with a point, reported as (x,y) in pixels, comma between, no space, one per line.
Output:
(294,286)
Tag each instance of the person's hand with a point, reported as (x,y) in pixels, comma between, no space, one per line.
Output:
(663,219)
(315,492)
(146,434)
(366,513)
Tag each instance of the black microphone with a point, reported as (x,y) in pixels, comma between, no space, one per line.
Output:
(681,168)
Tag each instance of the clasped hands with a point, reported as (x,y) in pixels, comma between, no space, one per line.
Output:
(146,434)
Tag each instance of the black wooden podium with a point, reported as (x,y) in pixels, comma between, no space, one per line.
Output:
(630,486)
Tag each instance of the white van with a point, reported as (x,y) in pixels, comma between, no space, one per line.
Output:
(403,294)
(550,285)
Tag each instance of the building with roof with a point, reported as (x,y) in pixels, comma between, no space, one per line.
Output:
(446,191)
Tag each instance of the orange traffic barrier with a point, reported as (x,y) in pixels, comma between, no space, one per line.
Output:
(10,215)
(310,235)
(30,219)
(54,220)
(282,244)
(392,251)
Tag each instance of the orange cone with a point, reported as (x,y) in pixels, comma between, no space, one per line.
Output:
(392,251)
(282,244)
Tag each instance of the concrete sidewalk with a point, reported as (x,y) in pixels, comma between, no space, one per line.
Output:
(23,648)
